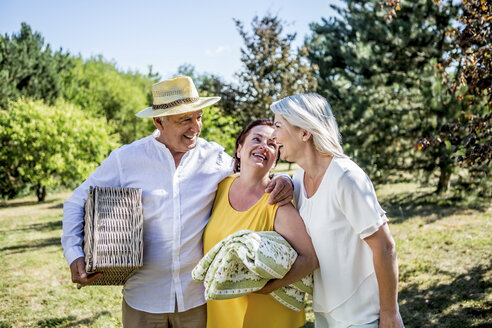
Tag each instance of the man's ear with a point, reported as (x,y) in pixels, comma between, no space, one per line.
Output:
(305,135)
(157,122)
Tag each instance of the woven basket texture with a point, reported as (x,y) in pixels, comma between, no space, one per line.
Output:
(113,235)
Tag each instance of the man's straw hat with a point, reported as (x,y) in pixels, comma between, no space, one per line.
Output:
(176,96)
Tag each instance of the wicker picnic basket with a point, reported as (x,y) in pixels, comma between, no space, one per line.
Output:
(113,235)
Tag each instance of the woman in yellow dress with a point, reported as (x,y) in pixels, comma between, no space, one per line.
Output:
(242,203)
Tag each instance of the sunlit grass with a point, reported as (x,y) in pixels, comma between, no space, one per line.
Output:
(444,252)
(35,285)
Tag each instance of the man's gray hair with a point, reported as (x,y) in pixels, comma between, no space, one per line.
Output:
(312,113)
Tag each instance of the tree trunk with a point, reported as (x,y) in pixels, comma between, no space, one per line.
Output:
(41,193)
(444,179)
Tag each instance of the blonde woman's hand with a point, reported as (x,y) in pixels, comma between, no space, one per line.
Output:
(390,320)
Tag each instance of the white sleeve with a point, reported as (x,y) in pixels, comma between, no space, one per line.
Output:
(106,175)
(297,181)
(226,162)
(358,201)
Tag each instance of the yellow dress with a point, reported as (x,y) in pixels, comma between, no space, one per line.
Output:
(252,310)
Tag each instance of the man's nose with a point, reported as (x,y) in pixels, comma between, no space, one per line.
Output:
(196,125)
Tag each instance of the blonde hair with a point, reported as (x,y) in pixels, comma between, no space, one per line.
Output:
(312,113)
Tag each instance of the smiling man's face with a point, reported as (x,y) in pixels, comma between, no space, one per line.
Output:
(179,132)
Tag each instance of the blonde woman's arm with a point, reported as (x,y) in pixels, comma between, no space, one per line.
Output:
(386,268)
(289,224)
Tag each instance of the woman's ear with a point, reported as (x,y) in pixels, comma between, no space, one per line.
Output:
(238,150)
(305,135)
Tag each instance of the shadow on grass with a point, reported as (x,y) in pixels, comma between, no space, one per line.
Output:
(57,206)
(13,204)
(426,308)
(42,227)
(404,206)
(70,321)
(32,245)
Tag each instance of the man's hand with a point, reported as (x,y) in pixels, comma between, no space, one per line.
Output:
(281,190)
(79,275)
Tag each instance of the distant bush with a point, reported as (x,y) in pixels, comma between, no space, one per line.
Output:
(43,146)
(98,87)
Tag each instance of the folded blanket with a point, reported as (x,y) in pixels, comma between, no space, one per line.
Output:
(243,263)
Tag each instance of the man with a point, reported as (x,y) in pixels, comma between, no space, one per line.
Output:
(178,173)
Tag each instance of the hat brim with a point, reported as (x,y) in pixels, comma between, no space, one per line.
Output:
(181,109)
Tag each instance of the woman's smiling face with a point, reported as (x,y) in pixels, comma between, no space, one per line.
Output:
(259,149)
(288,138)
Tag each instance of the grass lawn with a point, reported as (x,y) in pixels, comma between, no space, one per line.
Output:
(444,250)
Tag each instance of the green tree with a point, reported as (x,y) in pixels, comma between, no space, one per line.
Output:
(97,86)
(43,146)
(29,68)
(271,69)
(220,128)
(380,77)
(473,49)
(467,71)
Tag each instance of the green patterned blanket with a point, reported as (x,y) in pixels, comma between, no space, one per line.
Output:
(244,262)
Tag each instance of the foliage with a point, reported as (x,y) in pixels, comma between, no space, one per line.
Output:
(393,6)
(271,70)
(467,72)
(43,146)
(98,87)
(470,136)
(381,82)
(473,48)
(29,68)
(221,128)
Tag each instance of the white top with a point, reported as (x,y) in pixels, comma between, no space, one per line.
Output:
(176,207)
(343,211)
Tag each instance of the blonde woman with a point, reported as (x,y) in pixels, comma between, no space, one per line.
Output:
(356,283)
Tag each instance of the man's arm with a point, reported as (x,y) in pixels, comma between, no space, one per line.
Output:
(281,189)
(107,174)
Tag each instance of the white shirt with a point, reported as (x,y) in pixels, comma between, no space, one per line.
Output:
(176,207)
(343,211)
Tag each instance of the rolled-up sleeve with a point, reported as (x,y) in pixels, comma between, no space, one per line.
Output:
(106,175)
(359,203)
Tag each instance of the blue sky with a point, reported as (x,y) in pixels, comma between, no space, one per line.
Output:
(164,34)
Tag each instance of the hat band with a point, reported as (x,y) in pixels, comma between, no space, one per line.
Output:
(176,103)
